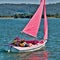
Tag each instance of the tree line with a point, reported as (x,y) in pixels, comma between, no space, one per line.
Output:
(29,16)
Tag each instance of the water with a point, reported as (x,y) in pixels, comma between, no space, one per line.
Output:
(10,28)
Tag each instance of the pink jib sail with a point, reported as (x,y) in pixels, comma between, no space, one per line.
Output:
(45,23)
(33,25)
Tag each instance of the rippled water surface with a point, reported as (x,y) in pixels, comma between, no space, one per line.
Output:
(10,28)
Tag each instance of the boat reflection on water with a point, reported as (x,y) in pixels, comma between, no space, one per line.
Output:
(38,55)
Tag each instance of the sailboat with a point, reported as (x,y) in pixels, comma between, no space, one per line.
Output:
(32,29)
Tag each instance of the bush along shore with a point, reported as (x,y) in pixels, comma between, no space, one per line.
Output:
(29,16)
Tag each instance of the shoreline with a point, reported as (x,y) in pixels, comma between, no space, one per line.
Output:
(24,17)
(30,16)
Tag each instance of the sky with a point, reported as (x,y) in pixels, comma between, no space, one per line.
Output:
(28,1)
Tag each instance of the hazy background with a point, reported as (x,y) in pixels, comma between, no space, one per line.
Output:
(28,1)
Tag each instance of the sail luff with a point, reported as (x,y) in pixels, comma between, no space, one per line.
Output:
(33,26)
(45,22)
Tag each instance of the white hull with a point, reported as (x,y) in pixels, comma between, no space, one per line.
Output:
(30,49)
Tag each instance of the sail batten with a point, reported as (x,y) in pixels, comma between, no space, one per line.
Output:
(33,26)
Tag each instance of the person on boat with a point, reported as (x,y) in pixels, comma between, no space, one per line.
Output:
(16,41)
(23,43)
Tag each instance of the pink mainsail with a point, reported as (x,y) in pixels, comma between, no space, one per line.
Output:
(45,23)
(33,26)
